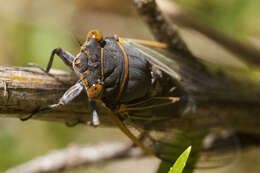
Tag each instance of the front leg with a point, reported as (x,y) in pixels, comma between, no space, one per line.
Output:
(68,96)
(64,55)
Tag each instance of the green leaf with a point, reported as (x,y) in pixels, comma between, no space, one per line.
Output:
(180,162)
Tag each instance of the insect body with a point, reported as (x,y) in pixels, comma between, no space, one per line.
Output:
(136,88)
(110,72)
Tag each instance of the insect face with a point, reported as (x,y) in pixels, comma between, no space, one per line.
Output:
(88,64)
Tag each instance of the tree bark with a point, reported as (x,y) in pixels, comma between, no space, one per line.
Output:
(214,100)
(22,90)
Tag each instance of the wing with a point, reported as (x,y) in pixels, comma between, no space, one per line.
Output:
(157,59)
(161,131)
(211,148)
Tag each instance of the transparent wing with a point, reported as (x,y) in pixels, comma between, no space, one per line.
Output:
(211,148)
(161,131)
(157,59)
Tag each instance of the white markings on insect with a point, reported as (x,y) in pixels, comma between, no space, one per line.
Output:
(95,119)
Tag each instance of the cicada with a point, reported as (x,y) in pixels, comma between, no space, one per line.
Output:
(139,88)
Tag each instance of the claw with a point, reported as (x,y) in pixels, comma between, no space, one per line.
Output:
(31,115)
(95,119)
(36,66)
(26,118)
(37,110)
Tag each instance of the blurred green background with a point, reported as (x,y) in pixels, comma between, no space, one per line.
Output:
(30,30)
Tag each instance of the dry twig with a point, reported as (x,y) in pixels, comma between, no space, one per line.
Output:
(74,157)
(22,90)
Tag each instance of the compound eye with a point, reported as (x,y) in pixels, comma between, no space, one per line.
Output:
(95,91)
(95,34)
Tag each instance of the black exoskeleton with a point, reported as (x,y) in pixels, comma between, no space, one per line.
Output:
(110,72)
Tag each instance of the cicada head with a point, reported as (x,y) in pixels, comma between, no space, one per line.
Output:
(89,63)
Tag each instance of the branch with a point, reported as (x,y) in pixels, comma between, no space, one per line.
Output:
(22,90)
(74,157)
